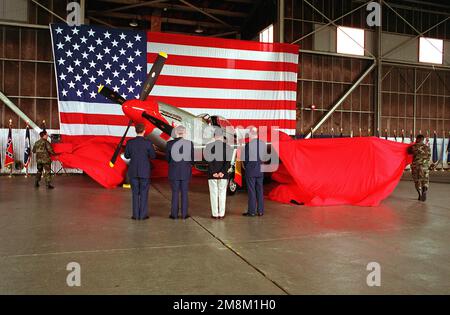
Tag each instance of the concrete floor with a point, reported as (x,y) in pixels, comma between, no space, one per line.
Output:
(291,250)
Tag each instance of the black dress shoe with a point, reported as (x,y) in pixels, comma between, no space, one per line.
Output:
(133,218)
(50,187)
(213,217)
(248,214)
(172,217)
(221,218)
(145,218)
(260,214)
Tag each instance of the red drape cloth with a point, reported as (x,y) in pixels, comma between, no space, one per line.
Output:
(321,172)
(93,156)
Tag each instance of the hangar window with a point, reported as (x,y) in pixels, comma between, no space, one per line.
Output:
(266,35)
(431,50)
(13,10)
(350,41)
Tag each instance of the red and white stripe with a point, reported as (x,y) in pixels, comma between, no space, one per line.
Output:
(249,83)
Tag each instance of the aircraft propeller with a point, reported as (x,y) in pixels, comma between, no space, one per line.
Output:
(146,89)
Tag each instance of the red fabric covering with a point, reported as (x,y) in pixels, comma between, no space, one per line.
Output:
(93,156)
(320,172)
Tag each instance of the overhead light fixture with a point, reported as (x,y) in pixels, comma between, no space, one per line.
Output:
(133,23)
(199,30)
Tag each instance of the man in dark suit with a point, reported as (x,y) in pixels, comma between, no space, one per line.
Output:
(254,177)
(140,151)
(180,155)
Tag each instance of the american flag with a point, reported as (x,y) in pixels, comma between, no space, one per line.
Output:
(249,83)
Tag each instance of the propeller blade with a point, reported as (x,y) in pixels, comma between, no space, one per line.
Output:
(111,95)
(153,75)
(158,123)
(119,146)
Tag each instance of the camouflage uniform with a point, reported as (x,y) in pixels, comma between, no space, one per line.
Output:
(420,166)
(43,150)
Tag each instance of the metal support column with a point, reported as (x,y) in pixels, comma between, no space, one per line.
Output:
(341,100)
(281,9)
(379,78)
(17,110)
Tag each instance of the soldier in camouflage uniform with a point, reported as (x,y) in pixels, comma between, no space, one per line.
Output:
(420,166)
(43,150)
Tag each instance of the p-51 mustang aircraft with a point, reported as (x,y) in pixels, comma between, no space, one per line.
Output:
(160,119)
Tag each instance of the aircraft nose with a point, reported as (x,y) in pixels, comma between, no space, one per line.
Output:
(133,109)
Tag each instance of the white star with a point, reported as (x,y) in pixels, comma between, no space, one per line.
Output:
(68,38)
(60,45)
(62,76)
(77,62)
(115,58)
(138,38)
(93,94)
(91,32)
(61,61)
(124,95)
(108,81)
(85,71)
(92,79)
(75,31)
(106,50)
(115,74)
(58,30)
(138,82)
(130,74)
(116,89)
(77,77)
(79,93)
(91,48)
(138,68)
(107,66)
(76,46)
(100,72)
(137,53)
(64,92)
(122,36)
(83,40)
(123,66)
(99,56)
(122,51)
(84,54)
(130,59)
(123,81)
(92,64)
(107,34)
(85,86)
(69,69)
(71,85)
(137,96)
(130,89)
(114,43)
(129,45)
(98,41)
(69,53)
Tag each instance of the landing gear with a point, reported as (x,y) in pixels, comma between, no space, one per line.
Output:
(232,186)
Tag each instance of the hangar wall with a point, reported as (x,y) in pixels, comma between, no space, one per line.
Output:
(414,97)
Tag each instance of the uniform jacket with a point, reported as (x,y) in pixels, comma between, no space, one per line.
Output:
(421,155)
(215,164)
(140,151)
(43,149)
(180,160)
(253,158)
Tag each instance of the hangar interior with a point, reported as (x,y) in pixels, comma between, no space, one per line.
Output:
(385,87)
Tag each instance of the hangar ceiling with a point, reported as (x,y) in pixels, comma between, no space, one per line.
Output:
(225,18)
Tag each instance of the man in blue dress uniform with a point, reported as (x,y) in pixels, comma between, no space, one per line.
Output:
(254,177)
(180,155)
(140,151)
